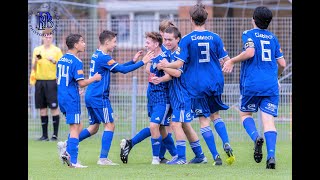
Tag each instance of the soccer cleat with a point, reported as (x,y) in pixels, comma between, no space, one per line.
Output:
(106,161)
(54,138)
(66,158)
(163,160)
(155,160)
(271,163)
(217,161)
(174,158)
(198,160)
(176,161)
(231,158)
(43,138)
(78,165)
(257,155)
(125,148)
(62,146)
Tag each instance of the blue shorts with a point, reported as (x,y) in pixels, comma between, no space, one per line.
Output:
(159,114)
(70,107)
(181,111)
(71,111)
(100,115)
(207,105)
(72,118)
(179,115)
(267,104)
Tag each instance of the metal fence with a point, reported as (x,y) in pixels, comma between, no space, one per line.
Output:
(128,92)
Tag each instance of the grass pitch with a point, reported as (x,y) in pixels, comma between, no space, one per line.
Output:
(43,163)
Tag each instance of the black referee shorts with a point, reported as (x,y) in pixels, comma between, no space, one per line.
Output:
(46,94)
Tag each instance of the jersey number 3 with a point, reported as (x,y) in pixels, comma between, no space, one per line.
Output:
(206,52)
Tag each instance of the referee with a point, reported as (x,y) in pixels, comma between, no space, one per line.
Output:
(44,62)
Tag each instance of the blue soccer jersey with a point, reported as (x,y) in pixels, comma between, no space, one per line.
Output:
(164,48)
(201,52)
(179,98)
(177,92)
(69,71)
(158,94)
(259,74)
(97,93)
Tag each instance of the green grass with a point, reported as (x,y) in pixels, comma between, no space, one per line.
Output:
(43,163)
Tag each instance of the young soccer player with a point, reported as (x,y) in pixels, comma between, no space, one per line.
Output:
(158,99)
(97,94)
(201,52)
(70,77)
(127,144)
(180,104)
(164,24)
(262,63)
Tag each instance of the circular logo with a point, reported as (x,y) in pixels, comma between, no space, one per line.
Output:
(43,21)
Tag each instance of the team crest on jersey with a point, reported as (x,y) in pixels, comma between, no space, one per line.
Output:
(154,65)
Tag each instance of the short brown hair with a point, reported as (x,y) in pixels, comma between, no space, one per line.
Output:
(164,24)
(173,30)
(155,36)
(198,14)
(106,35)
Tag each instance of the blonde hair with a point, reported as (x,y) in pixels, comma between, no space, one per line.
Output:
(164,24)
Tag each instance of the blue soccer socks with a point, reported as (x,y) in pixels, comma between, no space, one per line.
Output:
(271,141)
(250,127)
(209,138)
(220,127)
(106,141)
(181,149)
(143,134)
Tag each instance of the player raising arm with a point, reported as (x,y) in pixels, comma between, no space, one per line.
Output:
(97,94)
